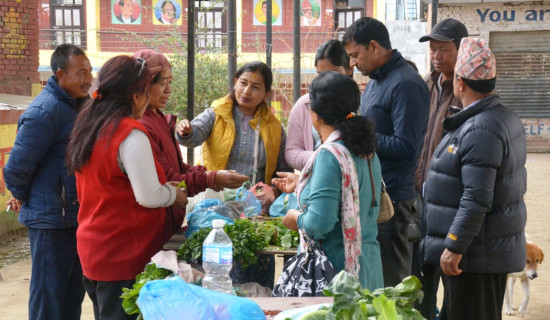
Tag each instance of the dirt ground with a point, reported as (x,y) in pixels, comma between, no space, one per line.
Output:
(15,284)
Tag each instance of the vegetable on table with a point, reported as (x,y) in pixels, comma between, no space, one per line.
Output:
(352,302)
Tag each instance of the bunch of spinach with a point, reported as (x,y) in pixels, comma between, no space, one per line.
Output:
(352,302)
(248,237)
(129,296)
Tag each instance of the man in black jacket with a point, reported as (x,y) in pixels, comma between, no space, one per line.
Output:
(397,100)
(474,212)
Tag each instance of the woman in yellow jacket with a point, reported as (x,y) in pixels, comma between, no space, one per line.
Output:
(240,133)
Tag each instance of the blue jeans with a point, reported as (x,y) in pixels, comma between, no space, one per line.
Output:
(56,290)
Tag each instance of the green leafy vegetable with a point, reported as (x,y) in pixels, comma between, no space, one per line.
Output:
(352,302)
(129,296)
(182,184)
(248,237)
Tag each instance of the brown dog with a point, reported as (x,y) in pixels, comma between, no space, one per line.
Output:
(535,256)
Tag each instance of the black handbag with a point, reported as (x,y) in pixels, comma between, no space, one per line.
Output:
(306,274)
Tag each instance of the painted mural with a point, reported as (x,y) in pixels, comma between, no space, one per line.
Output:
(260,9)
(126,11)
(167,12)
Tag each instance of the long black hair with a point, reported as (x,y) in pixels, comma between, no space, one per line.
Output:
(118,80)
(334,98)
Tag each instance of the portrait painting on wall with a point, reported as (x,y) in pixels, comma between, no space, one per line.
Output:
(126,11)
(167,12)
(311,13)
(260,9)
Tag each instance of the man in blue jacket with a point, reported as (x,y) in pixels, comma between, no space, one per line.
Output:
(43,192)
(397,100)
(474,212)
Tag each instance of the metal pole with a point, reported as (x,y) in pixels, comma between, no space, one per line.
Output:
(296,84)
(435,4)
(231,41)
(268,33)
(190,70)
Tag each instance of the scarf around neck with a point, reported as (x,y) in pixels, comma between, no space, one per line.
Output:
(349,206)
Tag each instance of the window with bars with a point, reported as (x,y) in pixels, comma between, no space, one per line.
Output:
(211,23)
(67,22)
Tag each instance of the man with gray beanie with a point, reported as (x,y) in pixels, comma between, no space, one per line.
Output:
(444,42)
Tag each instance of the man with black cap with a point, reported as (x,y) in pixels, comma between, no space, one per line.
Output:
(474,210)
(444,42)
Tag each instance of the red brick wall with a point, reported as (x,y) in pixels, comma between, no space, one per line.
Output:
(18,46)
(310,37)
(114,37)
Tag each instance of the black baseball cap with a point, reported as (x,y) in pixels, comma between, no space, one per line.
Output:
(447,30)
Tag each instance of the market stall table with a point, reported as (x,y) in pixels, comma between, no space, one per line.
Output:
(273,306)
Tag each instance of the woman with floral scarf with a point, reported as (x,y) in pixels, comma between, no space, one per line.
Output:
(338,206)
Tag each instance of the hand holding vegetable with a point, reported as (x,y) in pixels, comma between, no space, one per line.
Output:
(181,195)
(287,181)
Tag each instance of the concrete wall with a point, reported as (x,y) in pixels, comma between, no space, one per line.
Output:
(19,47)
(482,18)
(404,35)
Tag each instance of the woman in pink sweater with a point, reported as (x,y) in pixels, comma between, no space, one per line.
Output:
(302,138)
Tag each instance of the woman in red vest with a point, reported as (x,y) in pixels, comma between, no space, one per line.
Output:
(161,128)
(121,187)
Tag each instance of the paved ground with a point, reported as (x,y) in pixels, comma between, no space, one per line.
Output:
(15,285)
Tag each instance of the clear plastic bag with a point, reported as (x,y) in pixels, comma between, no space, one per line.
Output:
(173,299)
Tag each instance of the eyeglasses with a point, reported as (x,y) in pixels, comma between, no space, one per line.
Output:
(143,65)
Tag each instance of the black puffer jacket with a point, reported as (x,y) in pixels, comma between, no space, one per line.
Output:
(474,191)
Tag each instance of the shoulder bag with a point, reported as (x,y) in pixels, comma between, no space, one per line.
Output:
(386,206)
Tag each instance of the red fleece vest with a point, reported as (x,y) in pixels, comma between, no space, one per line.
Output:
(116,236)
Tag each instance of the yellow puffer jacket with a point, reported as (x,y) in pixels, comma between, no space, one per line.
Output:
(217,147)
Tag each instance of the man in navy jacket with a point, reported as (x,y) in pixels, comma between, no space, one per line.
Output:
(397,100)
(44,194)
(474,212)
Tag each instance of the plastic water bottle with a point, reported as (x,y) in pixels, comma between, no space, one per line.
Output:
(217,259)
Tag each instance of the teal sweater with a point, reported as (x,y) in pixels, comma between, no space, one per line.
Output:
(322,220)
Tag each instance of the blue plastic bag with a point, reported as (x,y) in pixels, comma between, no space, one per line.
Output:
(202,216)
(254,206)
(207,203)
(228,211)
(282,204)
(174,299)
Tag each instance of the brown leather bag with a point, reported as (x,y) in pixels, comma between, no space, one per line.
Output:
(386,206)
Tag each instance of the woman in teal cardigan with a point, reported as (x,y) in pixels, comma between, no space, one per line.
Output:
(335,188)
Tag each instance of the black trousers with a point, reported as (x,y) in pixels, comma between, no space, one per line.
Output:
(105,296)
(428,275)
(429,278)
(473,296)
(394,244)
